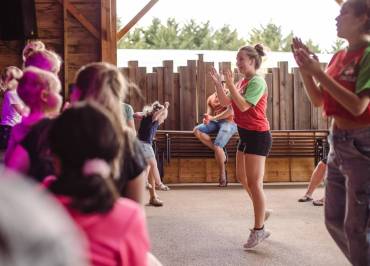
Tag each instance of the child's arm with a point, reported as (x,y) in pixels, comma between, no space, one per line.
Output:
(138,115)
(21,109)
(162,114)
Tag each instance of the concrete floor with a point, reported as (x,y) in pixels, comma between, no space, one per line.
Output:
(206,225)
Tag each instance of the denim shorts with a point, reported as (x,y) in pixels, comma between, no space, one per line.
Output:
(224,129)
(147,150)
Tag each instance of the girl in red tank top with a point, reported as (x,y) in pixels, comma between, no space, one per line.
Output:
(248,99)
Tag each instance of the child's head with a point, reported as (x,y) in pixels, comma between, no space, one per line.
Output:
(31,47)
(44,59)
(249,56)
(10,77)
(39,90)
(354,18)
(86,143)
(103,83)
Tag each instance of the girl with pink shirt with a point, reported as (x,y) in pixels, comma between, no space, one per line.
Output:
(85,156)
(12,106)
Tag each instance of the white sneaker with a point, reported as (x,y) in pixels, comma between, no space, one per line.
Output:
(256,237)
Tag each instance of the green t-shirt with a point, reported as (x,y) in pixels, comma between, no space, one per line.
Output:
(128,112)
(256,88)
(363,79)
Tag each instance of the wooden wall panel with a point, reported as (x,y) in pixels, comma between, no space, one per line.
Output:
(201,90)
(206,171)
(302,105)
(64,34)
(286,97)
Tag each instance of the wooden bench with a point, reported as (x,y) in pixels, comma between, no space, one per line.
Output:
(173,147)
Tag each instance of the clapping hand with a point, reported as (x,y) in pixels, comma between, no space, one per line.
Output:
(229,78)
(216,78)
(307,61)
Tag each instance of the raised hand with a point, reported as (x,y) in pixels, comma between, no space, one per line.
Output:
(216,78)
(298,44)
(307,61)
(229,78)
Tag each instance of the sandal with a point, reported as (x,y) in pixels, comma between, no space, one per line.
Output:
(305,198)
(319,202)
(156,202)
(162,187)
(222,182)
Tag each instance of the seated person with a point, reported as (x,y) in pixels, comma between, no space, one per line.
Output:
(218,119)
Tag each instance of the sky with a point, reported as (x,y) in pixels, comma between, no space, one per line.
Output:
(308,19)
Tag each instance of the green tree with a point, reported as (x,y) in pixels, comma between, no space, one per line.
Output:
(132,40)
(195,36)
(312,46)
(269,35)
(227,38)
(286,43)
(338,44)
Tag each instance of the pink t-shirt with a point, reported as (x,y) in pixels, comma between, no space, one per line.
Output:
(117,238)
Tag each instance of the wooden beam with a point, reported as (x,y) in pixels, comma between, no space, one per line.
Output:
(135,19)
(108,31)
(65,50)
(82,19)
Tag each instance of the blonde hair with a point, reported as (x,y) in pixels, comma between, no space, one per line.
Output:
(103,83)
(31,47)
(33,82)
(9,74)
(44,59)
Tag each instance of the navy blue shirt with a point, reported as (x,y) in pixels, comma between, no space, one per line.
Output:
(147,129)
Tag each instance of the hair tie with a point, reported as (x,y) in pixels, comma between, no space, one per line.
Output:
(96,166)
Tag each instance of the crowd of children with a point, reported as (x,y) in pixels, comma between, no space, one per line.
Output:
(90,158)
(86,155)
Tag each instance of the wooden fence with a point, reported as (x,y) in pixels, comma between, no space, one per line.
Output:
(188,88)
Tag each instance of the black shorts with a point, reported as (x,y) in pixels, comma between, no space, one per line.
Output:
(254,142)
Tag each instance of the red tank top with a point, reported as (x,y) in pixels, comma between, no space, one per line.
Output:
(344,68)
(255,117)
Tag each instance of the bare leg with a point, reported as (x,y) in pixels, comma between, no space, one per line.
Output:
(255,170)
(204,138)
(220,159)
(316,178)
(240,171)
(151,181)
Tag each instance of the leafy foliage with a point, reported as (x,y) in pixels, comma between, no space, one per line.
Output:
(201,36)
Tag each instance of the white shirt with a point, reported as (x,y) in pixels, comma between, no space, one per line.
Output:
(9,116)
